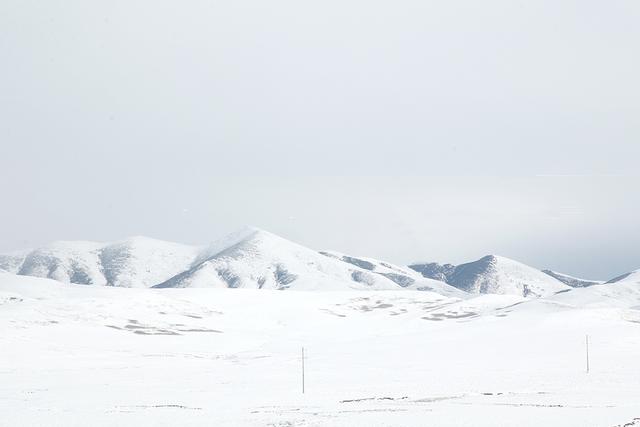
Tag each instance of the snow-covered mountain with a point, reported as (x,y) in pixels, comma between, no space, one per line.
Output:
(621,292)
(495,275)
(134,262)
(253,258)
(434,270)
(11,263)
(70,262)
(261,260)
(405,277)
(574,282)
(250,258)
(628,278)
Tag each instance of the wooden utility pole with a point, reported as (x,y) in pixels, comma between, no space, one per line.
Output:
(302,370)
(587,349)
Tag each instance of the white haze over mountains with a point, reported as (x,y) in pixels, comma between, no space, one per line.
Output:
(582,226)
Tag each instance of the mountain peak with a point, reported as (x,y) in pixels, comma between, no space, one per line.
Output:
(247,235)
(493,258)
(255,258)
(494,274)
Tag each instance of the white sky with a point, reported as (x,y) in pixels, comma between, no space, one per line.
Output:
(185,120)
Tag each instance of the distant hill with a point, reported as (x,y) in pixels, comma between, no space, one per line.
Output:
(494,275)
(261,260)
(134,262)
(574,282)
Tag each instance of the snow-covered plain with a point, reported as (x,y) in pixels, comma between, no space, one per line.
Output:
(75,355)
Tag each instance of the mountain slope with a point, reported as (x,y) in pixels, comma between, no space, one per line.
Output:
(69,262)
(11,263)
(621,292)
(433,270)
(144,262)
(574,282)
(405,277)
(628,278)
(135,262)
(257,259)
(261,260)
(497,275)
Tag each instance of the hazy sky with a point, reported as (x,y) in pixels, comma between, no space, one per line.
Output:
(404,130)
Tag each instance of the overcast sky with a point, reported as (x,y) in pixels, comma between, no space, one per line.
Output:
(404,130)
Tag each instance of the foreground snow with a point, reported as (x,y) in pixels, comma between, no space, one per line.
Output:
(76,356)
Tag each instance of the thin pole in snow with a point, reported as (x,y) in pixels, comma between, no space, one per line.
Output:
(302,370)
(587,349)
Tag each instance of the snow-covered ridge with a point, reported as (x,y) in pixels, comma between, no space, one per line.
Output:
(258,259)
(403,276)
(254,258)
(574,282)
(434,270)
(11,262)
(249,258)
(494,274)
(497,274)
(134,262)
(631,277)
